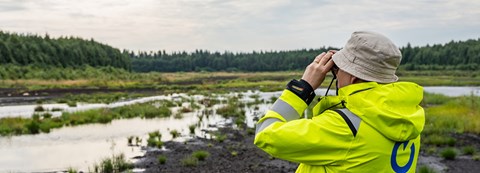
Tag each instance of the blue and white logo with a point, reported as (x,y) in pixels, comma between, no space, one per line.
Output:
(393,159)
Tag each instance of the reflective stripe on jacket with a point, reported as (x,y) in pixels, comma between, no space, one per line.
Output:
(387,119)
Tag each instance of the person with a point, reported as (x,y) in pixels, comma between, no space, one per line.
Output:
(373,124)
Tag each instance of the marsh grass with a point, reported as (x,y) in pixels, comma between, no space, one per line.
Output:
(191,128)
(34,125)
(220,137)
(189,161)
(425,169)
(457,115)
(115,164)
(162,159)
(469,150)
(175,134)
(201,154)
(448,153)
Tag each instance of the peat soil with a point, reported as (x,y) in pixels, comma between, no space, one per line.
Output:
(237,153)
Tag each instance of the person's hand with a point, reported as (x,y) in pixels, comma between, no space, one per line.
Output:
(315,72)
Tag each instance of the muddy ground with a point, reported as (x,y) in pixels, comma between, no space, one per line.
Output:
(251,159)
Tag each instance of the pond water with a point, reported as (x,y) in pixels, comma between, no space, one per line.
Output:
(80,147)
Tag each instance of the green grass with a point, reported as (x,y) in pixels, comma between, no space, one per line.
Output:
(201,155)
(162,159)
(220,137)
(192,128)
(448,154)
(425,169)
(175,134)
(189,161)
(116,164)
(469,150)
(35,125)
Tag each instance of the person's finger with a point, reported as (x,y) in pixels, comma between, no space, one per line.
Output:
(325,58)
(319,57)
(329,64)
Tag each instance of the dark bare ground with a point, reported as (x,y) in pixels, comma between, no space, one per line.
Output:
(222,158)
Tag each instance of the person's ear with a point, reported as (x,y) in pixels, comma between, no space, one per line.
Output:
(353,79)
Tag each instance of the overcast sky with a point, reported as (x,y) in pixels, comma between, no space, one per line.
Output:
(242,25)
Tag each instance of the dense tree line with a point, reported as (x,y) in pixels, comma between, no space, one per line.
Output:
(455,55)
(202,60)
(461,55)
(71,52)
(42,51)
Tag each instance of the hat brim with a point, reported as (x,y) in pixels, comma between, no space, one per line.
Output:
(346,62)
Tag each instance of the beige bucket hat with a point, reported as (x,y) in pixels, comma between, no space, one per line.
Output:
(369,56)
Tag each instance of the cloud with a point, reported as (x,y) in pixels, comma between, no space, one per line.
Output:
(242,25)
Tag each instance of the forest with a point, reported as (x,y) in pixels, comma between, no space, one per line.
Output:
(63,52)
(34,52)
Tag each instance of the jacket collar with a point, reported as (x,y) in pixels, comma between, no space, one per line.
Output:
(355,88)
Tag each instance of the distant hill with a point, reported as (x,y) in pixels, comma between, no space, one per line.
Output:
(43,51)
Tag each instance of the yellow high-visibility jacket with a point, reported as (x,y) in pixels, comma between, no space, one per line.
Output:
(368,127)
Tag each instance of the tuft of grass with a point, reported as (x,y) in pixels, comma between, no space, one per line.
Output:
(189,161)
(178,116)
(201,154)
(117,163)
(469,150)
(431,150)
(425,169)
(476,157)
(175,134)
(234,153)
(162,159)
(192,128)
(39,108)
(250,131)
(448,154)
(220,137)
(71,170)
(130,140)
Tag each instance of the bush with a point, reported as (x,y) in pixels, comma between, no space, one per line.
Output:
(201,155)
(449,154)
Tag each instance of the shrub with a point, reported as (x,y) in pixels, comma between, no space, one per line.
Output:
(201,155)
(449,154)
(162,159)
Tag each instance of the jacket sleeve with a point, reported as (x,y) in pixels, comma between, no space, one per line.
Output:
(322,140)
